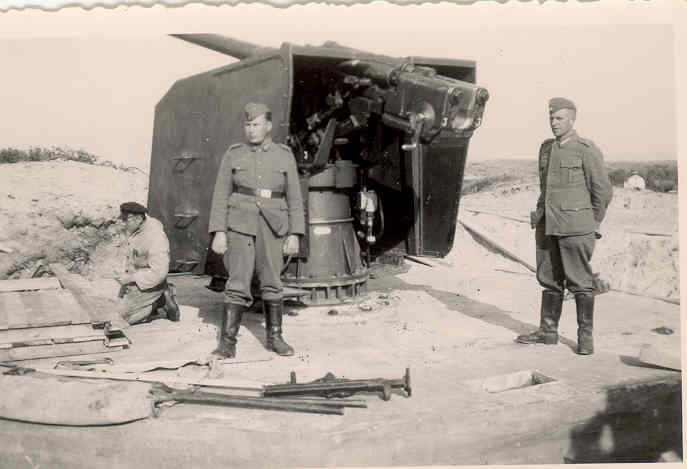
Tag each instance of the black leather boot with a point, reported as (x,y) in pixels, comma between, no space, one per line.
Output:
(585,323)
(551,307)
(273,318)
(231,321)
(171,307)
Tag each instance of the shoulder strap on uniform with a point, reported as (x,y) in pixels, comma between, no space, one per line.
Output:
(236,145)
(546,145)
(285,147)
(586,142)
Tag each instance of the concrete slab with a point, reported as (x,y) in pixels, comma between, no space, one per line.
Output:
(601,408)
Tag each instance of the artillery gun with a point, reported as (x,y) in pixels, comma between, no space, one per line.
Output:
(380,144)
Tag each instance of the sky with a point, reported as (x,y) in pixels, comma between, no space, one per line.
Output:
(97,89)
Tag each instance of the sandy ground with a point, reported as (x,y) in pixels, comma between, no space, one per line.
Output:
(453,324)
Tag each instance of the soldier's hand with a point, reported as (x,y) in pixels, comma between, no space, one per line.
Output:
(533,219)
(124,279)
(291,245)
(219,242)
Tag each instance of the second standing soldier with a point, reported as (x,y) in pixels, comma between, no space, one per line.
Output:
(575,192)
(256,216)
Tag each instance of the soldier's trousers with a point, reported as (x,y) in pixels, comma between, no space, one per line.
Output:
(248,255)
(564,261)
(135,304)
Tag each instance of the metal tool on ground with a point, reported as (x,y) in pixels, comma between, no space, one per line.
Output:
(81,364)
(331,386)
(163,393)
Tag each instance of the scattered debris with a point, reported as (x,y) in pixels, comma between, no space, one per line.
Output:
(333,312)
(663,330)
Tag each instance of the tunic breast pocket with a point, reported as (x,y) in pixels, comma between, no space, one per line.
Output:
(239,175)
(572,165)
(275,179)
(140,259)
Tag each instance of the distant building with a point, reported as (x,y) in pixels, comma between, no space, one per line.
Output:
(635,182)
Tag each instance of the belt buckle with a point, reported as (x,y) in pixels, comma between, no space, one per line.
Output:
(265,193)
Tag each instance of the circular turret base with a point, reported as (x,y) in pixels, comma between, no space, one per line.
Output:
(331,291)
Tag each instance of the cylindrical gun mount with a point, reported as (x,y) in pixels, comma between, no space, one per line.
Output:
(225,45)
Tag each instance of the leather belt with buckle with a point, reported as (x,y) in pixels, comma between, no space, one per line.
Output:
(263,193)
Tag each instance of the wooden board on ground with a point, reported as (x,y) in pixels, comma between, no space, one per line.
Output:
(57,350)
(98,308)
(40,308)
(40,319)
(658,355)
(45,283)
(31,334)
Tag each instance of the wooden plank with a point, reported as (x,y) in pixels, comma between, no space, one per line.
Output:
(40,308)
(4,313)
(33,308)
(496,245)
(16,311)
(58,350)
(519,220)
(48,310)
(53,341)
(146,378)
(97,308)
(43,283)
(36,333)
(76,313)
(661,355)
(675,301)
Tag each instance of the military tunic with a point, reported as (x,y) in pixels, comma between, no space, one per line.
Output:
(256,224)
(575,193)
(148,261)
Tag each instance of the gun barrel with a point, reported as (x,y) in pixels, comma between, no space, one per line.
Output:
(225,45)
(380,73)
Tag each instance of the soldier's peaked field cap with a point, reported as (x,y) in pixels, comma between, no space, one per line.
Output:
(133,207)
(556,104)
(255,110)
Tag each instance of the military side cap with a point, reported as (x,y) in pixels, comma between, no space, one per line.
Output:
(255,110)
(556,104)
(133,207)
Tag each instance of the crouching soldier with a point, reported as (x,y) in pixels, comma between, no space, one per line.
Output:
(255,217)
(144,288)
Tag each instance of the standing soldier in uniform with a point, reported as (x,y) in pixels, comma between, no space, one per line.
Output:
(256,217)
(575,192)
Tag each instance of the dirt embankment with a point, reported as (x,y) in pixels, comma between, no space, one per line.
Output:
(639,250)
(64,211)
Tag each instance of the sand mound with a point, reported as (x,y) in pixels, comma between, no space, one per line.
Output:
(63,211)
(639,250)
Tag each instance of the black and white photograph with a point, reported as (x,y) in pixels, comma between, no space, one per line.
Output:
(363,235)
